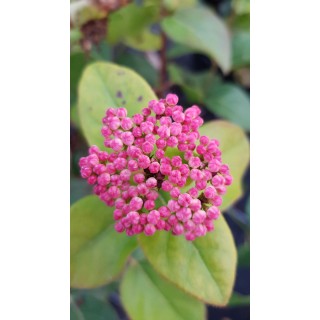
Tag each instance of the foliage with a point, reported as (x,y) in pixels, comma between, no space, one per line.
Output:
(146,49)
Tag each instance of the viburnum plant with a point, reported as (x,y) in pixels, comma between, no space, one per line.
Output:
(161,180)
(130,177)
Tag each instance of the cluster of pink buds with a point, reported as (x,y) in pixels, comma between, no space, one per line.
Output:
(137,175)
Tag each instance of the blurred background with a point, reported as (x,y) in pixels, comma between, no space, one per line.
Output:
(207,65)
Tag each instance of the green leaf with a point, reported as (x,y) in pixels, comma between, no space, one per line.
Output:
(145,296)
(92,308)
(98,253)
(105,85)
(204,268)
(240,49)
(201,29)
(230,102)
(130,20)
(235,152)
(144,41)
(238,300)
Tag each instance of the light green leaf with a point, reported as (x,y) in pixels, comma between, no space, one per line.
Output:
(201,29)
(105,85)
(240,49)
(98,253)
(235,152)
(204,268)
(145,296)
(230,102)
(130,20)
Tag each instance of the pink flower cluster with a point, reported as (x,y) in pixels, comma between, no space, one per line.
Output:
(137,175)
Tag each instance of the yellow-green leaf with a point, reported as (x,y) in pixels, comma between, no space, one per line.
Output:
(104,85)
(145,296)
(204,268)
(97,252)
(234,145)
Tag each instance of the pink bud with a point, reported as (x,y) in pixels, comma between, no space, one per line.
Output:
(137,119)
(166,186)
(119,227)
(149,229)
(147,147)
(210,192)
(151,182)
(199,216)
(177,229)
(144,161)
(154,167)
(164,212)
(85,172)
(153,217)
(172,99)
(136,204)
(149,204)
(175,192)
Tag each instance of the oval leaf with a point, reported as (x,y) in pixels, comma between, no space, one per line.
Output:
(230,102)
(201,29)
(105,85)
(98,253)
(234,145)
(145,295)
(204,268)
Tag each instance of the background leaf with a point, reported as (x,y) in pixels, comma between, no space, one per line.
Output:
(201,29)
(106,85)
(240,49)
(235,152)
(238,299)
(130,20)
(98,252)
(91,308)
(145,296)
(204,268)
(230,102)
(144,41)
